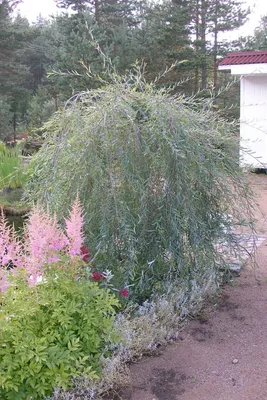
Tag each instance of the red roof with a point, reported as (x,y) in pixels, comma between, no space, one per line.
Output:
(246,57)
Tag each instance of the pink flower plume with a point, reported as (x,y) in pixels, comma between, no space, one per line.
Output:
(11,248)
(74,229)
(44,238)
(43,243)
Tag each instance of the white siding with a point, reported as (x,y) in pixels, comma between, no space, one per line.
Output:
(253,121)
(245,69)
(248,69)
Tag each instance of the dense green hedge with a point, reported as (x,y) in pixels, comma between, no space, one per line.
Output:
(52,333)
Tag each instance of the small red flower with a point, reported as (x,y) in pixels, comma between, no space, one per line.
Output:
(85,253)
(124,292)
(96,276)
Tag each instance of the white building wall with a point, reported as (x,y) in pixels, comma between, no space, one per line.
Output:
(253,121)
(245,69)
(249,69)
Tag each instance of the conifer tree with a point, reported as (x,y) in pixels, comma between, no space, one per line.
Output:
(14,34)
(213,17)
(224,16)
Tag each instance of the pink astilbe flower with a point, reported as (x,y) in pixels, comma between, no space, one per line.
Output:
(11,248)
(74,229)
(44,239)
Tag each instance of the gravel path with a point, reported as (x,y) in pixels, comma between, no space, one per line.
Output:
(222,355)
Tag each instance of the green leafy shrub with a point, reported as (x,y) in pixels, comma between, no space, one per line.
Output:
(11,168)
(55,319)
(158,177)
(52,333)
(2,147)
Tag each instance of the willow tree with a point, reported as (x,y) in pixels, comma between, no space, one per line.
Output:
(158,178)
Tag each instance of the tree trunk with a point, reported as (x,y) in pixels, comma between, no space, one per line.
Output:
(203,44)
(14,127)
(197,46)
(56,102)
(97,11)
(215,50)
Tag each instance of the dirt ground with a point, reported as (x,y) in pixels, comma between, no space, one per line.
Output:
(222,355)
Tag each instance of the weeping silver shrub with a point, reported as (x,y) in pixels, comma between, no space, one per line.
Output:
(158,178)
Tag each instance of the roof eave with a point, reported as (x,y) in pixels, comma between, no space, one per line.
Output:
(224,67)
(245,69)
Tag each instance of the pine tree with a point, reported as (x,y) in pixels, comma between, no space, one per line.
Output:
(106,12)
(14,34)
(224,16)
(212,17)
(260,35)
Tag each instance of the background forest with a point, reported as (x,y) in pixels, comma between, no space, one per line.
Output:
(36,59)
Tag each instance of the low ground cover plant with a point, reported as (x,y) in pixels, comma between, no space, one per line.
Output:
(56,318)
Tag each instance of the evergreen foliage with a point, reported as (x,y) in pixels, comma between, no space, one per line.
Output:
(41,107)
(5,117)
(159,34)
(13,73)
(260,36)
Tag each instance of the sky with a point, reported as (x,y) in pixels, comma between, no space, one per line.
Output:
(32,8)
(259,9)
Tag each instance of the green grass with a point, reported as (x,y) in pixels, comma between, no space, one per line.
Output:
(11,168)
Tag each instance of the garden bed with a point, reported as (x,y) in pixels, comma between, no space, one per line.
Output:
(13,206)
